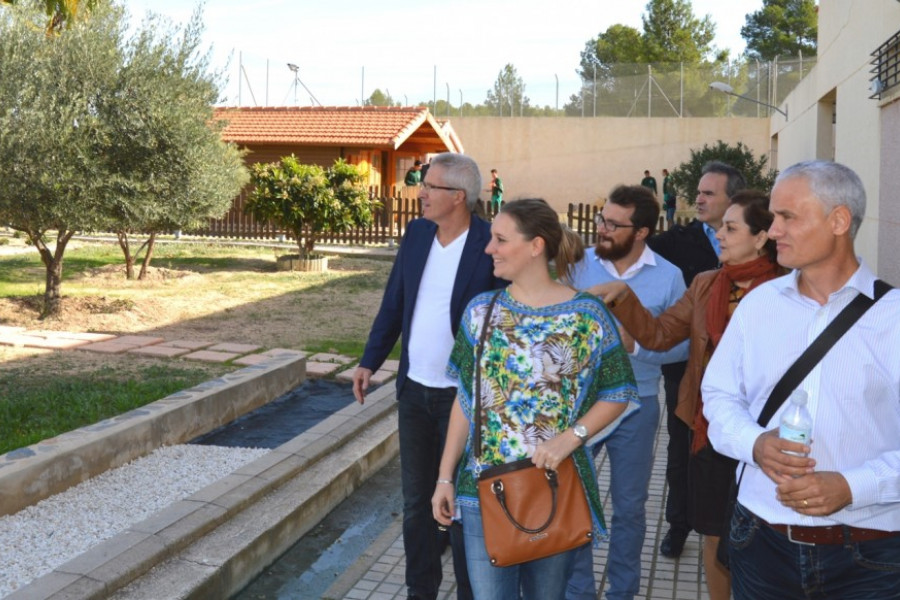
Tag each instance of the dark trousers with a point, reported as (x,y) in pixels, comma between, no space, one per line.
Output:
(423,415)
(766,565)
(677,452)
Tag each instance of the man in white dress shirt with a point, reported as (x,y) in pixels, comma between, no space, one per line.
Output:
(826,525)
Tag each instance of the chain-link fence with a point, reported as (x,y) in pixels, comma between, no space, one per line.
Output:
(651,90)
(677,90)
(619,90)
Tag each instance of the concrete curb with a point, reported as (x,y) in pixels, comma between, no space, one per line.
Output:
(30,474)
(215,542)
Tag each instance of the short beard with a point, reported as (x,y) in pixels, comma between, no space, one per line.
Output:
(617,251)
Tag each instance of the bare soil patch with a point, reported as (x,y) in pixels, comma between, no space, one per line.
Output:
(242,298)
(116,272)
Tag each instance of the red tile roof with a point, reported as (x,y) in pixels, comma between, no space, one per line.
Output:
(329,125)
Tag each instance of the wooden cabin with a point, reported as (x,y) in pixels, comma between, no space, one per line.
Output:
(383,141)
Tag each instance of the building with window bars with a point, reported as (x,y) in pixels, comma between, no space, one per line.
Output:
(847,109)
(885,68)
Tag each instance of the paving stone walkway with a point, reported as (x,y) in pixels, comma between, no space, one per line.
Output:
(322,364)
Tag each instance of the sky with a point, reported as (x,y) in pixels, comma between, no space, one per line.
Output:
(416,50)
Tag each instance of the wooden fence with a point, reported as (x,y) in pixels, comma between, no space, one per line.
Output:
(388,224)
(580,219)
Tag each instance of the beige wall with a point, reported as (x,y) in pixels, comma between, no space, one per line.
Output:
(570,159)
(864,134)
(889,188)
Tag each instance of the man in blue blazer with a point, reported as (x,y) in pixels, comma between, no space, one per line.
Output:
(441,265)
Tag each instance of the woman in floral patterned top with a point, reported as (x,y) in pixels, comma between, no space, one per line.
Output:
(554,373)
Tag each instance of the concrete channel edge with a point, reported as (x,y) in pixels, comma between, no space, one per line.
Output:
(213,543)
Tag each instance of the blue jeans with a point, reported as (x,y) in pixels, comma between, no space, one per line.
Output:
(766,565)
(423,414)
(543,579)
(630,450)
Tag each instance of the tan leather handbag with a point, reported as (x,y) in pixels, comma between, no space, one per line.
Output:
(528,512)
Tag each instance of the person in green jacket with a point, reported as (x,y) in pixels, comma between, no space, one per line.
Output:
(649,181)
(414,174)
(496,190)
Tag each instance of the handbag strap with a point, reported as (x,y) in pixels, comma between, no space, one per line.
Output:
(500,493)
(816,351)
(484,329)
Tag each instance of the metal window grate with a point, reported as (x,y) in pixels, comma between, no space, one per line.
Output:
(885,67)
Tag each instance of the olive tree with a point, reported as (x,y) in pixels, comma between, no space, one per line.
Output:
(49,86)
(169,168)
(97,132)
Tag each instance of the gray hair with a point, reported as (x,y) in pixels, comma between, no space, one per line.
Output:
(833,184)
(735,179)
(461,172)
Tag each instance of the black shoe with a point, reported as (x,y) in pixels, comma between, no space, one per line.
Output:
(673,544)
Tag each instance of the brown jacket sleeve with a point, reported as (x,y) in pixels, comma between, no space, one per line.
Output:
(686,318)
(655,333)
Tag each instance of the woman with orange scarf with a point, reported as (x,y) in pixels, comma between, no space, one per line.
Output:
(748,259)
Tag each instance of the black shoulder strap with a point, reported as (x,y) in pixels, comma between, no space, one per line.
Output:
(820,346)
(812,355)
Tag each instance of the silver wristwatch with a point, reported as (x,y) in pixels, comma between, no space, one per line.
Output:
(580,432)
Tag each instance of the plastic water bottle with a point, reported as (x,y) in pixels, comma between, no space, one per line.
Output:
(796,422)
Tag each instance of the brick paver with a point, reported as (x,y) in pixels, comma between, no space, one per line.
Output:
(73,335)
(160,350)
(109,347)
(234,348)
(379,377)
(119,345)
(255,359)
(321,369)
(322,364)
(188,344)
(328,357)
(211,356)
(139,340)
(47,343)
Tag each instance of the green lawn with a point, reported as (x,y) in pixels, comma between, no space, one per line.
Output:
(32,410)
(227,293)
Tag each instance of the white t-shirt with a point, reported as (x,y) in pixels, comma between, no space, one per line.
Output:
(430,335)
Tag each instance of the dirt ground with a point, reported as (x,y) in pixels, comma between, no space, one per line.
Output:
(250,303)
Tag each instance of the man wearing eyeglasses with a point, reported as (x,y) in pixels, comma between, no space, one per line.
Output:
(441,265)
(621,253)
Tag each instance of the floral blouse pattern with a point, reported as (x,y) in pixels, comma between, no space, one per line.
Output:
(541,370)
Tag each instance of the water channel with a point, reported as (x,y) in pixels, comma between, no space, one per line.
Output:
(313,564)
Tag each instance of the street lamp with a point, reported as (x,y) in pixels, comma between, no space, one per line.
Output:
(727,89)
(296,71)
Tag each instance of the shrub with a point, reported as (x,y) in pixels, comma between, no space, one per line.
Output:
(308,200)
(687,176)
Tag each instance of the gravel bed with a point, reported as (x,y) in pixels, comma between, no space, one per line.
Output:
(37,539)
